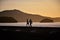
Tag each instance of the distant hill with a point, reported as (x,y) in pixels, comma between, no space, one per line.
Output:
(56,19)
(22,17)
(7,20)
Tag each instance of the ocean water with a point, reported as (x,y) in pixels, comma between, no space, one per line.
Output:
(34,24)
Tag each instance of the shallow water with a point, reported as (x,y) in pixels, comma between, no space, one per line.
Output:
(34,24)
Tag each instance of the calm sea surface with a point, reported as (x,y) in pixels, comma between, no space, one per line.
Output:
(34,24)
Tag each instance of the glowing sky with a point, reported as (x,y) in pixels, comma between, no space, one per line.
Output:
(50,8)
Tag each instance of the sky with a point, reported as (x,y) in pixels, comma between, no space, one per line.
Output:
(49,8)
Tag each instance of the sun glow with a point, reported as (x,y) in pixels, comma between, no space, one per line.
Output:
(50,8)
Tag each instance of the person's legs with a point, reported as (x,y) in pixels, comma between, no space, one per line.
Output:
(27,24)
(30,24)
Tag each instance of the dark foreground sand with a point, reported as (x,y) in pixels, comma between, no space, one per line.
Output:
(29,33)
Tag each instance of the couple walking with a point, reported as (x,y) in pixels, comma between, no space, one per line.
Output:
(29,22)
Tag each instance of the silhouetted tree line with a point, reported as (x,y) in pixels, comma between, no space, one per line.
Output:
(7,20)
(46,20)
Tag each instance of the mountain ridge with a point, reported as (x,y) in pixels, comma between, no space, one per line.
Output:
(21,16)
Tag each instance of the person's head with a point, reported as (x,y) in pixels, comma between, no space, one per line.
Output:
(27,19)
(30,19)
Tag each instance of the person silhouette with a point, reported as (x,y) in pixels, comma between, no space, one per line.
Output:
(27,23)
(30,23)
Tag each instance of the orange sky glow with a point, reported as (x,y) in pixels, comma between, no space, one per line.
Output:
(49,8)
